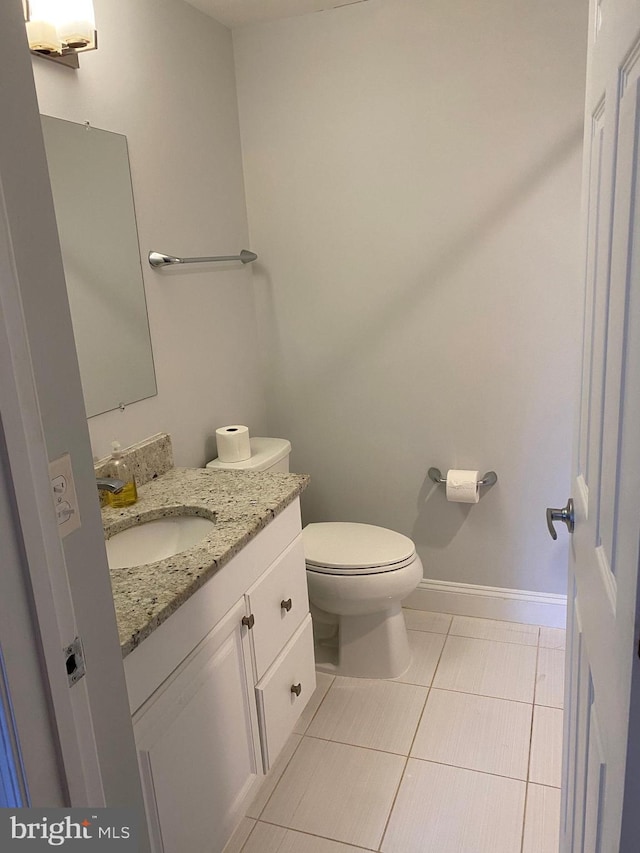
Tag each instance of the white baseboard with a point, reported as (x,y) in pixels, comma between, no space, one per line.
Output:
(489,602)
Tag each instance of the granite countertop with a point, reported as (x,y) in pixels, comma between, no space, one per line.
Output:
(241,503)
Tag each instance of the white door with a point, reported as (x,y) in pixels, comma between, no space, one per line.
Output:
(599,806)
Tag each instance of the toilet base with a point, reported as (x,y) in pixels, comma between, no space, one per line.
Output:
(374,645)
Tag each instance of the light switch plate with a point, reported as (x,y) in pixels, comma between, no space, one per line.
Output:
(63,490)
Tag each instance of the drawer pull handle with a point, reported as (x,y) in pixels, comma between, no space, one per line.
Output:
(249,621)
(286,604)
(296,688)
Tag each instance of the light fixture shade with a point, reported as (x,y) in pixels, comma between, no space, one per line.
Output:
(42,31)
(57,24)
(77,23)
(43,37)
(45,10)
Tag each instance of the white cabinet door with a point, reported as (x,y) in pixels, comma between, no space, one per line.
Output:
(279,602)
(285,690)
(198,744)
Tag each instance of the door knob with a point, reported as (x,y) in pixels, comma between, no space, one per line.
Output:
(565,514)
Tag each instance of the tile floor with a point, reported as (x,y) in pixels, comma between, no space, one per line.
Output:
(461,754)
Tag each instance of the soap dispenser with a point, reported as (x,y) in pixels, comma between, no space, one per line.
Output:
(120,470)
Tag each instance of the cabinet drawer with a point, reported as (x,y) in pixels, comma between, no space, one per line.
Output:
(279,705)
(279,602)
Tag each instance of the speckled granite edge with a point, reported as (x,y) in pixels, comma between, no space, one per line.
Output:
(147,459)
(241,503)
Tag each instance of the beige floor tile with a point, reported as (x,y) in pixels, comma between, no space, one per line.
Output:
(323,683)
(542,820)
(325,796)
(550,678)
(426,648)
(337,791)
(370,712)
(553,638)
(476,732)
(267,838)
(271,779)
(237,840)
(425,620)
(545,766)
(502,670)
(442,809)
(490,629)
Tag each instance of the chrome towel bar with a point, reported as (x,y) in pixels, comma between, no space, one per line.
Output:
(157,259)
(489,479)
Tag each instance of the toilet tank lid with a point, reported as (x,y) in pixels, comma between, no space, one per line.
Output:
(265,452)
(344,545)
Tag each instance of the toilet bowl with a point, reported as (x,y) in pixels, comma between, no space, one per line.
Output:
(357,576)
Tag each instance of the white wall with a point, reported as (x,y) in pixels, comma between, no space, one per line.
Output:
(412,177)
(163,76)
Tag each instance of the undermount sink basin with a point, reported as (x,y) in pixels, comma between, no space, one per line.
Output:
(155,540)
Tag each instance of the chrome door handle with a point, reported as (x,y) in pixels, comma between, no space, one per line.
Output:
(565,514)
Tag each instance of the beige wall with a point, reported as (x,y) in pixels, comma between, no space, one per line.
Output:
(164,77)
(412,175)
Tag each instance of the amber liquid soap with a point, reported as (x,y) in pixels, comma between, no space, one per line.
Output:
(128,495)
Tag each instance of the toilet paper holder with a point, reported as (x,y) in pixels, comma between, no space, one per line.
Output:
(489,479)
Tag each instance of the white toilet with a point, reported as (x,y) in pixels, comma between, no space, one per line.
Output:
(357,575)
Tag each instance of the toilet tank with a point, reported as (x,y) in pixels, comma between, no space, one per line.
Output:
(267,454)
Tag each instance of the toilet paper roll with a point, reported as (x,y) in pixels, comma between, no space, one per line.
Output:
(233,443)
(462,486)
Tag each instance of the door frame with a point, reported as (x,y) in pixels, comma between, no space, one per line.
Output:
(43,417)
(42,570)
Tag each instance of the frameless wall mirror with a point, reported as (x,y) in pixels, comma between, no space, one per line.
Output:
(93,199)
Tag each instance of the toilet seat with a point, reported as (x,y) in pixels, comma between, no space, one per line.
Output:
(348,548)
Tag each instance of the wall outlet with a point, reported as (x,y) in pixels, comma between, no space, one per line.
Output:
(63,490)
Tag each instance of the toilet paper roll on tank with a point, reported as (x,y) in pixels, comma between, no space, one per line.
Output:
(462,486)
(233,443)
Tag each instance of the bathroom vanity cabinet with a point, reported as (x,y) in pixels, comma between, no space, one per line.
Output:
(216,690)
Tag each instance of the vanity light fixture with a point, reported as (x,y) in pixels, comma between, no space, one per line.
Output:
(60,29)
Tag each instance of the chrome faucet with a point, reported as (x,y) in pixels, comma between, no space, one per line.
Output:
(110,484)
